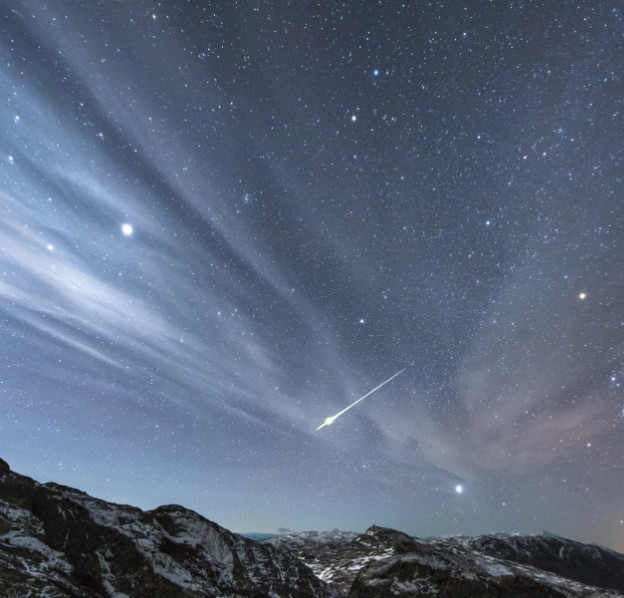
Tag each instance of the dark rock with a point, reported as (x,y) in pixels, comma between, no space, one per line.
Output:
(431,575)
(454,568)
(61,542)
(58,541)
(589,564)
(385,562)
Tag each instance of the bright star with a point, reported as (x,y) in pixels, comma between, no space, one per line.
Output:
(582,296)
(459,488)
(127,229)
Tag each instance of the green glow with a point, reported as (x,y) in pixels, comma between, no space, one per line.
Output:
(330,420)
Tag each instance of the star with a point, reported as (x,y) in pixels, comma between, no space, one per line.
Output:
(304,231)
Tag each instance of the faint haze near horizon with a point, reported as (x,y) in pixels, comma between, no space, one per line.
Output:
(223,223)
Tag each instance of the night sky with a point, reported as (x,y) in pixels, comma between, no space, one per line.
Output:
(223,222)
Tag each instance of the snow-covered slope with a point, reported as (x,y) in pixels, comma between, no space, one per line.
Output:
(586,563)
(385,562)
(57,542)
(337,557)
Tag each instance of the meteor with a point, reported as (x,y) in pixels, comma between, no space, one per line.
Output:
(330,420)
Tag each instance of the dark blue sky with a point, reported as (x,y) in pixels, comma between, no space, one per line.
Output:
(314,198)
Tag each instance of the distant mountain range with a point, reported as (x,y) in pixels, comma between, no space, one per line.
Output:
(385,562)
(60,542)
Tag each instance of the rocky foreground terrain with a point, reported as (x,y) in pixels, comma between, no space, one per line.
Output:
(59,542)
(384,562)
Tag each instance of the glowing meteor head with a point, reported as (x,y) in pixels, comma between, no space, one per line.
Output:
(328,422)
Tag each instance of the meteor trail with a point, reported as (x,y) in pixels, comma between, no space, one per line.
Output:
(330,420)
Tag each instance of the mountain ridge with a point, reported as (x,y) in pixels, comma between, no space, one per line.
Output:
(392,563)
(57,541)
(60,542)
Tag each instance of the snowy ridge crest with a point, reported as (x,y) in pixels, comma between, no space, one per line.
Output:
(58,542)
(386,562)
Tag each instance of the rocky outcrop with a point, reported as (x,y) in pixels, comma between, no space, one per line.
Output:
(462,567)
(385,562)
(59,542)
(586,563)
